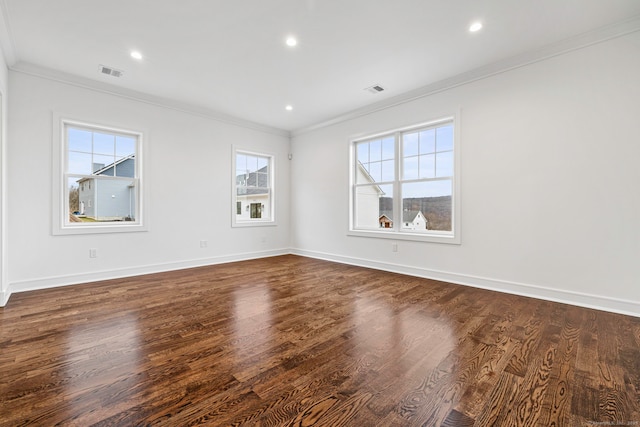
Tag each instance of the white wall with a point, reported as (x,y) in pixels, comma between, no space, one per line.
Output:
(187,175)
(550,182)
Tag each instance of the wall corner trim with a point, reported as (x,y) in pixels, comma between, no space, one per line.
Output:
(4,298)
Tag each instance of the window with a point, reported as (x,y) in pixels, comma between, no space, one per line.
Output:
(404,184)
(253,189)
(100,170)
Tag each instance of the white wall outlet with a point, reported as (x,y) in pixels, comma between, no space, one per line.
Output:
(204,243)
(263,239)
(394,247)
(93,253)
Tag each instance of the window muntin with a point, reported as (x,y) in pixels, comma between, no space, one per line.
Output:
(404,183)
(101,173)
(253,188)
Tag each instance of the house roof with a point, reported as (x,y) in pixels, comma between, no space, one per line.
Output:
(116,163)
(253,183)
(103,169)
(369,178)
(409,216)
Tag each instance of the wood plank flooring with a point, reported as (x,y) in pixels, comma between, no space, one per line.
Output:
(293,341)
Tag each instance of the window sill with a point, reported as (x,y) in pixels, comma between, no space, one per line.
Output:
(99,229)
(241,224)
(395,235)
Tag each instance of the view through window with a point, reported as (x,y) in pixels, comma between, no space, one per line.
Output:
(101,175)
(403,182)
(253,188)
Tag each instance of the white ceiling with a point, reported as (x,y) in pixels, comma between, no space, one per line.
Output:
(230,57)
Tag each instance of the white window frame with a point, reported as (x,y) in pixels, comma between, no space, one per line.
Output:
(253,222)
(60,218)
(396,233)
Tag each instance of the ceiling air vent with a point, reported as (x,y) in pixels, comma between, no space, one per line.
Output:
(374,89)
(110,71)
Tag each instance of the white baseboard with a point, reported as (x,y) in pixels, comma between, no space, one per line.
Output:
(53,282)
(597,302)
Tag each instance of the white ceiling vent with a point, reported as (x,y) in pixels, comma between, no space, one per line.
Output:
(110,71)
(374,89)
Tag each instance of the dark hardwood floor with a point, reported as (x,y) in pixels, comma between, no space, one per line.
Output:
(292,341)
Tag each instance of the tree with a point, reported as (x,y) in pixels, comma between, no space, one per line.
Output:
(74,199)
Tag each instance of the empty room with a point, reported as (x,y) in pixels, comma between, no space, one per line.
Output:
(320,213)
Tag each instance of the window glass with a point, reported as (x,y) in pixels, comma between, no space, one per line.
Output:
(253,189)
(417,200)
(100,173)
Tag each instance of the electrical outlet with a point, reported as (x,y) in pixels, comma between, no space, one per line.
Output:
(263,239)
(204,243)
(93,253)
(394,247)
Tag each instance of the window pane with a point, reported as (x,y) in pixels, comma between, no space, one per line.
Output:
(104,164)
(444,164)
(262,163)
(126,167)
(375,150)
(410,168)
(253,206)
(252,164)
(74,202)
(427,205)
(427,166)
(388,170)
(428,141)
(362,174)
(253,194)
(410,144)
(262,180)
(125,146)
(106,200)
(371,203)
(444,138)
(375,170)
(79,140)
(241,164)
(92,156)
(79,163)
(103,143)
(363,152)
(388,148)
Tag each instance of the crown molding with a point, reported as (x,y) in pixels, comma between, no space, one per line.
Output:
(562,47)
(73,80)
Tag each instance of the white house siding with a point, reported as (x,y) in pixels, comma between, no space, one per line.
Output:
(246,201)
(418,223)
(367,202)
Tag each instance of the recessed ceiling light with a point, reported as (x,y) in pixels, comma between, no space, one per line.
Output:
(291,41)
(476,26)
(288,107)
(136,55)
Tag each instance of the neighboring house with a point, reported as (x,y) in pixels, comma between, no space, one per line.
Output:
(109,199)
(413,220)
(253,194)
(385,221)
(368,200)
